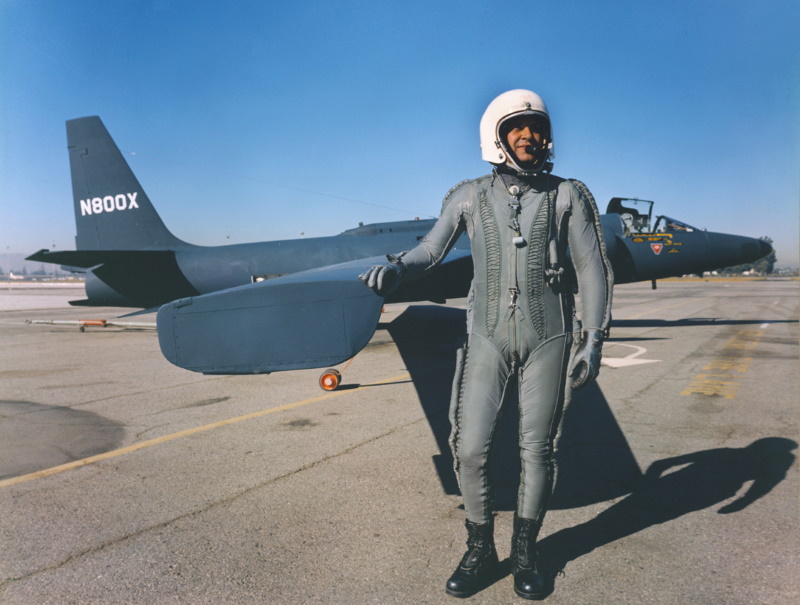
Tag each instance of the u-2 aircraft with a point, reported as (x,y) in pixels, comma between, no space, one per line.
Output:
(293,304)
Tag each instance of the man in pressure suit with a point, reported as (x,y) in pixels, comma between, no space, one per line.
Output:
(521,323)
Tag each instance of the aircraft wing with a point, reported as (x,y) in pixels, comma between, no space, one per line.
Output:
(311,319)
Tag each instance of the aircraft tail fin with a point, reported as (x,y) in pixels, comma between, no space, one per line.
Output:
(112,211)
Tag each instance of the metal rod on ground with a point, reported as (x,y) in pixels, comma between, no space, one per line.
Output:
(101,323)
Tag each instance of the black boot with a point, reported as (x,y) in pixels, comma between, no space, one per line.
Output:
(479,565)
(528,582)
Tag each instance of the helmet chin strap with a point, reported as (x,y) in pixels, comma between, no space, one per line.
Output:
(528,168)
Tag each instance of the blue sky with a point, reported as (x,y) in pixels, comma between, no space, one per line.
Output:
(250,121)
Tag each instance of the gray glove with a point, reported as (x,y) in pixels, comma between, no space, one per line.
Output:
(383,279)
(586,363)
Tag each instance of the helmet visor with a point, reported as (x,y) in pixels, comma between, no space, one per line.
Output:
(536,121)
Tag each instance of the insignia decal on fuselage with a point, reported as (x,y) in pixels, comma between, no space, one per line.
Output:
(657,248)
(109,203)
(664,238)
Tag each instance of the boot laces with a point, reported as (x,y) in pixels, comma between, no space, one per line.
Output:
(526,546)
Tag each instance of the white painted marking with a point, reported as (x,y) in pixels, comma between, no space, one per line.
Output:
(628,360)
(764,326)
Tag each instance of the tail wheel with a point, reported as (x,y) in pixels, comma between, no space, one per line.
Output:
(330,379)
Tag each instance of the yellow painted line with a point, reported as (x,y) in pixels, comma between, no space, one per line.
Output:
(200,429)
(649,311)
(710,384)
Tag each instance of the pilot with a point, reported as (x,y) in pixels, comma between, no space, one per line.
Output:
(522,329)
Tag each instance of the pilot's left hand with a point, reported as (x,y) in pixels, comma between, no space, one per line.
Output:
(586,363)
(383,279)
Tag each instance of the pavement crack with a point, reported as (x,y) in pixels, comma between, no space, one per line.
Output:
(147,391)
(197,511)
(150,429)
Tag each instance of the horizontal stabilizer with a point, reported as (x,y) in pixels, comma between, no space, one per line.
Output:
(86,259)
(310,319)
(135,278)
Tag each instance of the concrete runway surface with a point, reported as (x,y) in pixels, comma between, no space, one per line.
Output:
(124,479)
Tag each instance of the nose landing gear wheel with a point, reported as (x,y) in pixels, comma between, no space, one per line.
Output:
(330,379)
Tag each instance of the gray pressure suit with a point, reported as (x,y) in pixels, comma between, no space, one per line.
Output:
(520,318)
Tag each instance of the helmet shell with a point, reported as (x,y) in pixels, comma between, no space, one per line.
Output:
(507,105)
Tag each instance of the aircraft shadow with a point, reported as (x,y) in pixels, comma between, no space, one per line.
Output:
(427,338)
(595,461)
(693,321)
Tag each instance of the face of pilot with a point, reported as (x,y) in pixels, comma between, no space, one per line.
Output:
(524,132)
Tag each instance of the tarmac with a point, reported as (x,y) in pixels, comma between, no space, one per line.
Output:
(124,479)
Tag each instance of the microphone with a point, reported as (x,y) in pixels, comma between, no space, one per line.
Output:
(534,148)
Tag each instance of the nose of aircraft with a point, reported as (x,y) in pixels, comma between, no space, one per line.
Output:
(753,249)
(729,250)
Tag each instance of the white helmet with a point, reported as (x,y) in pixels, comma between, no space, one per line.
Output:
(510,105)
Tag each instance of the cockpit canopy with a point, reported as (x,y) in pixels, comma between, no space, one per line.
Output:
(665,224)
(635,213)
(636,216)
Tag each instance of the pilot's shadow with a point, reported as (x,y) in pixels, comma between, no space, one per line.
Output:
(702,480)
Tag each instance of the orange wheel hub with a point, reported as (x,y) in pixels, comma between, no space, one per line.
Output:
(330,379)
